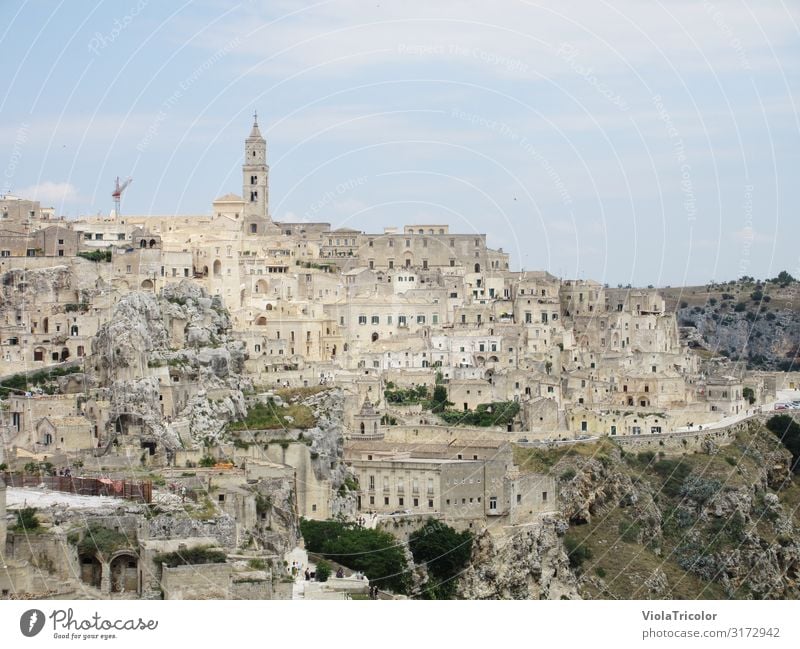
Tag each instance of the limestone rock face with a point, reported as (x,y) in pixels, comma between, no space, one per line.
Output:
(768,343)
(528,564)
(179,337)
(327,437)
(123,344)
(680,524)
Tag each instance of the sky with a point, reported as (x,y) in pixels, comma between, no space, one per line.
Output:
(629,142)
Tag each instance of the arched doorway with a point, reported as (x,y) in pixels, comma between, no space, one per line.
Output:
(64,354)
(147,285)
(125,573)
(374,336)
(217,268)
(261,321)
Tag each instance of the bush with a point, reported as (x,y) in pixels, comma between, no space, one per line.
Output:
(190,557)
(629,531)
(577,551)
(257,564)
(207,461)
(740,306)
(27,520)
(97,255)
(750,395)
(99,539)
(323,571)
(567,475)
(673,473)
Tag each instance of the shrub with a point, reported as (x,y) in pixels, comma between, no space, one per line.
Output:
(27,520)
(749,394)
(323,571)
(740,306)
(103,540)
(673,473)
(567,475)
(207,461)
(96,255)
(629,531)
(577,551)
(257,564)
(190,557)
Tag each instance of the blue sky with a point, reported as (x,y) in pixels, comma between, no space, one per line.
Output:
(629,142)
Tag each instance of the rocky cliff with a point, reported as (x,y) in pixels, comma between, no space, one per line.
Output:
(754,322)
(719,524)
(181,336)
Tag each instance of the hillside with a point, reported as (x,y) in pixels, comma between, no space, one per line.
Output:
(719,524)
(756,322)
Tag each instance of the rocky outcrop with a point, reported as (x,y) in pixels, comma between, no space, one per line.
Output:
(767,341)
(719,523)
(531,563)
(181,337)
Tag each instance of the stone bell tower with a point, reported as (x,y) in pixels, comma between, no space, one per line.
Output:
(255,182)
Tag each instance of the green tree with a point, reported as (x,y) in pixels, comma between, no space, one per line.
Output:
(377,554)
(439,401)
(748,394)
(788,431)
(445,553)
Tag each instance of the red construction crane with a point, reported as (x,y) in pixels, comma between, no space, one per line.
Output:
(117,193)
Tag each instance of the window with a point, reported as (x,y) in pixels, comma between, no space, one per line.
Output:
(584,426)
(420,319)
(400,501)
(416,502)
(544,496)
(372,483)
(430,503)
(493,503)
(371,500)
(376,319)
(362,319)
(386,500)
(613,430)
(636,430)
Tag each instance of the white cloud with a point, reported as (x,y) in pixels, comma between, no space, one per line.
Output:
(50,193)
(520,41)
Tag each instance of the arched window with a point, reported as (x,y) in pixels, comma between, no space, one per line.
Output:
(477,268)
(363,428)
(73,330)
(143,244)
(217,268)
(374,336)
